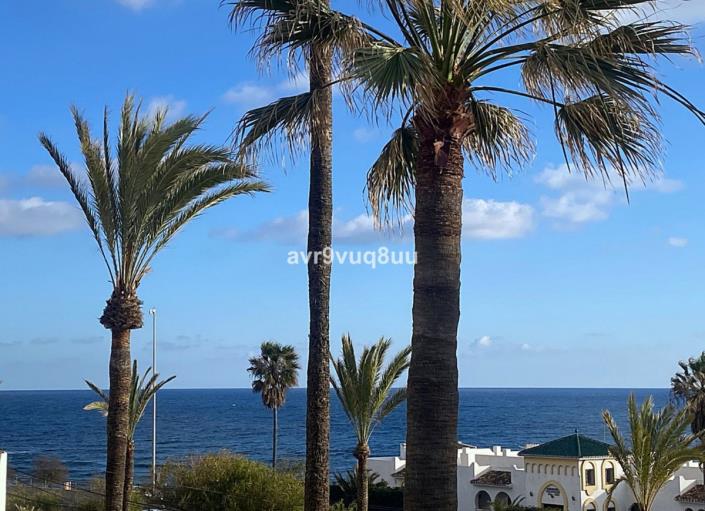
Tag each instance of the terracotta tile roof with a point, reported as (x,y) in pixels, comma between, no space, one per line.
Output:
(571,446)
(493,478)
(695,493)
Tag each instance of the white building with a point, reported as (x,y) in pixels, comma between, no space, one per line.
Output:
(572,473)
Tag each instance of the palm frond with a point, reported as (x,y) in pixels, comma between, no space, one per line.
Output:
(607,134)
(499,138)
(363,385)
(136,202)
(390,180)
(285,121)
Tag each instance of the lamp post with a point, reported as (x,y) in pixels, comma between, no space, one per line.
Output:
(153,313)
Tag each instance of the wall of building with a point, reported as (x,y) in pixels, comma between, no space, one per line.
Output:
(543,481)
(3,480)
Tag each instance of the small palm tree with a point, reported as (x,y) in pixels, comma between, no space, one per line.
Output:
(134,204)
(660,445)
(142,390)
(688,388)
(364,389)
(274,372)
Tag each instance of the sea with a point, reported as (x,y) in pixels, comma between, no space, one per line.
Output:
(53,423)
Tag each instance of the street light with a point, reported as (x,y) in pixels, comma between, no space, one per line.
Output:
(153,313)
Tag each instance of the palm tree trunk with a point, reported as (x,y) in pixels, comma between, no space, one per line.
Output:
(320,211)
(362,453)
(129,471)
(118,417)
(274,437)
(432,404)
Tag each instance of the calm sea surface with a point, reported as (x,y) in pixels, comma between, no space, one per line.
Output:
(191,421)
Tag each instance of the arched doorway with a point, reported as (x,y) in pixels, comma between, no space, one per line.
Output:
(553,496)
(503,499)
(483,500)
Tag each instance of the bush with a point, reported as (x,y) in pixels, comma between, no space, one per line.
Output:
(50,469)
(227,482)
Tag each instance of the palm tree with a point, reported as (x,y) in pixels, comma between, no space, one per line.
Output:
(445,73)
(688,387)
(660,445)
(274,372)
(364,388)
(134,204)
(308,31)
(141,393)
(596,75)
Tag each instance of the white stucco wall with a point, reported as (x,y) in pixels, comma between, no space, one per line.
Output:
(531,476)
(3,480)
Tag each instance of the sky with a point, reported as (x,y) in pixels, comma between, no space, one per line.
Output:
(564,283)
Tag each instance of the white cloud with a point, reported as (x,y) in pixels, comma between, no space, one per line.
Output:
(580,200)
(365,134)
(665,185)
(136,5)
(482,219)
(483,342)
(682,11)
(37,217)
(677,242)
(249,94)
(46,176)
(489,219)
(175,107)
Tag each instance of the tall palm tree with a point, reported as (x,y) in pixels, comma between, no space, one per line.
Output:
(310,32)
(274,372)
(364,388)
(134,204)
(688,387)
(142,390)
(660,445)
(451,64)
(446,72)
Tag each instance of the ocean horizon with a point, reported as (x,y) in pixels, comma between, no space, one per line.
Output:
(192,421)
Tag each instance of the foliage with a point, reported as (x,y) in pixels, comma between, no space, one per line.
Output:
(364,387)
(227,482)
(136,202)
(49,469)
(688,388)
(344,491)
(274,371)
(660,444)
(142,390)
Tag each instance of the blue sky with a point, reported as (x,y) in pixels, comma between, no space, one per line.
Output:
(564,284)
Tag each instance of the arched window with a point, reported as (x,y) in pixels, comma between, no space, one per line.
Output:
(608,474)
(503,499)
(483,500)
(590,506)
(610,506)
(589,477)
(688,509)
(634,507)
(559,469)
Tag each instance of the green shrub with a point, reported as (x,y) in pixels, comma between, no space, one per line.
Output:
(227,482)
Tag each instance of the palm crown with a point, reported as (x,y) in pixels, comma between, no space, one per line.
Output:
(659,446)
(364,387)
(137,200)
(595,73)
(688,387)
(274,372)
(142,390)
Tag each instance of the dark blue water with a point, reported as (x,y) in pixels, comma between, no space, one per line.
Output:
(191,421)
